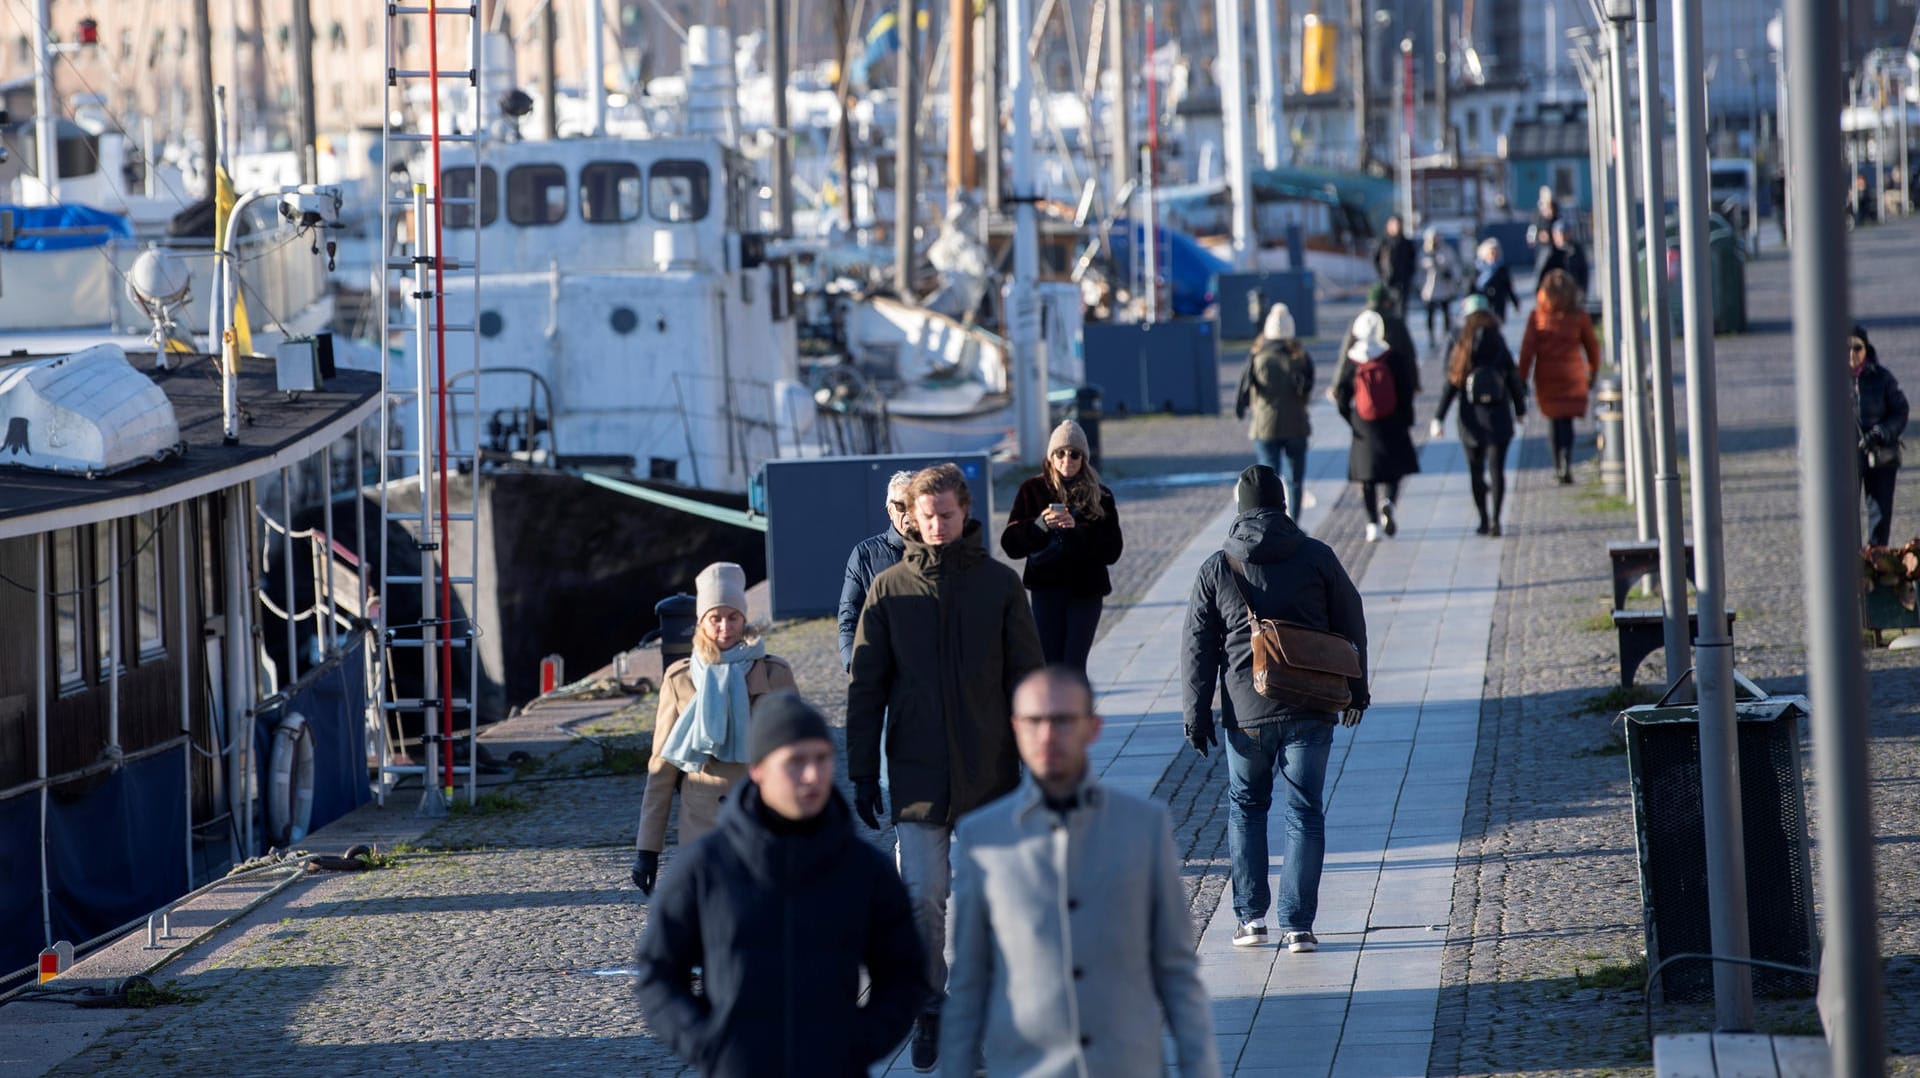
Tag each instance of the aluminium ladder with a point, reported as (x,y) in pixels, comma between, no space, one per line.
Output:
(420,250)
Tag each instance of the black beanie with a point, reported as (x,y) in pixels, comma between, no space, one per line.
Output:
(779,720)
(1259,488)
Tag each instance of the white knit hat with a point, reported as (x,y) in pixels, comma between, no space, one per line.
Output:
(1369,337)
(1279,325)
(721,584)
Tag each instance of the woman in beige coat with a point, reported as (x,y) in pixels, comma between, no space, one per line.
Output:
(700,730)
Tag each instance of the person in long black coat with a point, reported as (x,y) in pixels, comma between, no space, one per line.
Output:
(1881,410)
(1492,280)
(1482,374)
(1382,452)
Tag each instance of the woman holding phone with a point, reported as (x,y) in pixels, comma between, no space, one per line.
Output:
(1064,523)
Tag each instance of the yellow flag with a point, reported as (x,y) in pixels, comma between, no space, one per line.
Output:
(223,203)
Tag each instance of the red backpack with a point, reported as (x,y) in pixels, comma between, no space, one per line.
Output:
(1374,397)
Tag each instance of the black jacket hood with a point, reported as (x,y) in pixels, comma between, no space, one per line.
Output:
(930,561)
(807,855)
(1263,536)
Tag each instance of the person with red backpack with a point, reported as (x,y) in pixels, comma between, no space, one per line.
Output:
(1374,390)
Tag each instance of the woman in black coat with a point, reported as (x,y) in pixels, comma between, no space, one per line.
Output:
(1382,451)
(1065,524)
(1481,372)
(1881,410)
(1491,279)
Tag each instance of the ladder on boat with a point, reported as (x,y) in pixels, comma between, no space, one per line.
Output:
(427,237)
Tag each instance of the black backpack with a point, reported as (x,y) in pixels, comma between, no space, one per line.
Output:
(1485,386)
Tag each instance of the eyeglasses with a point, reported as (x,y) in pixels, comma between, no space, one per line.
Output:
(1068,453)
(1856,346)
(898,506)
(1059,719)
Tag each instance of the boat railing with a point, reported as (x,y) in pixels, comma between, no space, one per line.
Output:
(280,276)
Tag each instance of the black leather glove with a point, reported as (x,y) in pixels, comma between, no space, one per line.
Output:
(1200,735)
(646,869)
(1875,437)
(866,802)
(1352,716)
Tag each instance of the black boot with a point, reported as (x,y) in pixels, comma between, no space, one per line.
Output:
(1499,497)
(1563,465)
(1480,507)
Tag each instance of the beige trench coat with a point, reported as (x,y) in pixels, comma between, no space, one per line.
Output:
(700,791)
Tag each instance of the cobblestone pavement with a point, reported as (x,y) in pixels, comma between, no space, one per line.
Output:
(1545,952)
(496,942)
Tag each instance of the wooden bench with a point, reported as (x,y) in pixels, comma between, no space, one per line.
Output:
(1708,1055)
(1643,632)
(1633,559)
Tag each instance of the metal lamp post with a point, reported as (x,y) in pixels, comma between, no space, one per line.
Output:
(1713,656)
(1631,360)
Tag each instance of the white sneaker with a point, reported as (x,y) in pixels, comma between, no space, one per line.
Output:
(1251,934)
(1373,533)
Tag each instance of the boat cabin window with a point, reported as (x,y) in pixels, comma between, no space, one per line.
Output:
(458,183)
(69,630)
(103,586)
(677,191)
(536,194)
(148,573)
(610,192)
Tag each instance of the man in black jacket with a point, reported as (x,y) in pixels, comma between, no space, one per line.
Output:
(780,908)
(1285,576)
(870,557)
(945,637)
(1393,260)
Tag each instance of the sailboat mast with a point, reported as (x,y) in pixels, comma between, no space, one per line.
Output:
(777,78)
(962,174)
(46,130)
(906,167)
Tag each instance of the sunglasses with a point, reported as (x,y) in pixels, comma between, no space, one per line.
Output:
(1856,346)
(1069,454)
(898,507)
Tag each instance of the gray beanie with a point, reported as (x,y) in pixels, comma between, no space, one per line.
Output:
(721,584)
(779,720)
(1259,487)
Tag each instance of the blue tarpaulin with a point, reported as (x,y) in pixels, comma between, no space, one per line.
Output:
(65,228)
(333,699)
(1187,266)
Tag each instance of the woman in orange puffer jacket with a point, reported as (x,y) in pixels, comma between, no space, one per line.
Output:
(1560,343)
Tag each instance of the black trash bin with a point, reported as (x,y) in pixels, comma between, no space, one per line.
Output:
(1663,760)
(677,619)
(1086,412)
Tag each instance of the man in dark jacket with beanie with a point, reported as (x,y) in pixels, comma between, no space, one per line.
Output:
(1285,576)
(945,637)
(780,908)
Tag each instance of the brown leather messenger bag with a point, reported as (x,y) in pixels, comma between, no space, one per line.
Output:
(1306,668)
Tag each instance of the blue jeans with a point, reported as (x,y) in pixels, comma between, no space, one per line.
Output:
(1297,749)
(1292,478)
(923,853)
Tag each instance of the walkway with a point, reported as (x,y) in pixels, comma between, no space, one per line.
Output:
(1396,784)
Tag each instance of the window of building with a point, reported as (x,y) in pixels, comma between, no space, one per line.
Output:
(337,35)
(372,33)
(69,631)
(536,194)
(458,183)
(610,192)
(126,45)
(677,191)
(339,97)
(149,589)
(102,584)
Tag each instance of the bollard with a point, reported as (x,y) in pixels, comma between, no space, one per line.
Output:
(1613,444)
(552,673)
(1296,247)
(1086,412)
(55,960)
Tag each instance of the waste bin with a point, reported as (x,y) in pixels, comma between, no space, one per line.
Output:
(1086,412)
(1663,762)
(1726,275)
(677,619)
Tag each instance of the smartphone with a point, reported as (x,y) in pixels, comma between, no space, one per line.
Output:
(1058,507)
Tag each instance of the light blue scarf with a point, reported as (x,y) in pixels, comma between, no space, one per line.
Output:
(714,725)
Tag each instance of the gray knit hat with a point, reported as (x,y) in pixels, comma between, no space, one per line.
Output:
(721,584)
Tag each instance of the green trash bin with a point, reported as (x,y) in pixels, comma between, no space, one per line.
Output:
(1726,273)
(1663,762)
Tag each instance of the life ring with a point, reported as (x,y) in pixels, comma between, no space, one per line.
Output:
(290,782)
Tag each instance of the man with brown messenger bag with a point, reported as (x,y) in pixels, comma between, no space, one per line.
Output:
(1275,618)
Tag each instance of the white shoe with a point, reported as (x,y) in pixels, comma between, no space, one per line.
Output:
(1373,533)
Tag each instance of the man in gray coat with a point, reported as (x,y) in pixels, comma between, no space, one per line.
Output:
(1073,946)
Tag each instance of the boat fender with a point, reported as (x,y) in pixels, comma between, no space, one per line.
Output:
(290,782)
